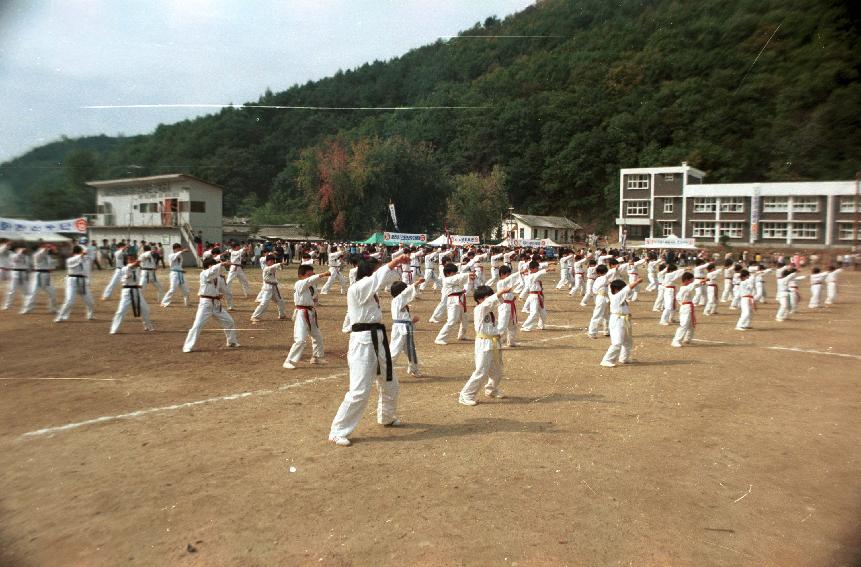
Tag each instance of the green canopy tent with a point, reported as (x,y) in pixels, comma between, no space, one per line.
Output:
(377,238)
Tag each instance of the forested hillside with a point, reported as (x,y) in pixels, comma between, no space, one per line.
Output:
(609,85)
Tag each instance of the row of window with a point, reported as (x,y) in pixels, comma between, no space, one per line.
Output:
(727,205)
(736,205)
(641,180)
(182,207)
(770,230)
(708,230)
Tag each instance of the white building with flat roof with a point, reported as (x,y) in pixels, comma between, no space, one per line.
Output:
(168,209)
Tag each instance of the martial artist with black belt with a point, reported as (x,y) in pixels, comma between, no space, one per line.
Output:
(131,297)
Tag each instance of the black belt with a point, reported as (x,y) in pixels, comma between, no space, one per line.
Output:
(82,282)
(374,327)
(275,285)
(412,355)
(136,299)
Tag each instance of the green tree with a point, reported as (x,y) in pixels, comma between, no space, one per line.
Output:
(478,203)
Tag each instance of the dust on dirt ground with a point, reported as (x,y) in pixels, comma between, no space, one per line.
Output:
(730,451)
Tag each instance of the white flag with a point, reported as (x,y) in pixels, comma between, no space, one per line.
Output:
(394,216)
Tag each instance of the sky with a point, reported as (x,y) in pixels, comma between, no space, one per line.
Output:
(59,56)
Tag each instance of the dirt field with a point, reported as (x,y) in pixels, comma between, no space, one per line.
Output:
(727,452)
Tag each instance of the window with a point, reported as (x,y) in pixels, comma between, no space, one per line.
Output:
(666,228)
(775,205)
(705,205)
(545,233)
(182,206)
(732,205)
(805,230)
(847,204)
(521,234)
(805,205)
(148,207)
(845,231)
(638,181)
(198,206)
(774,230)
(637,208)
(556,235)
(669,177)
(668,205)
(704,230)
(732,229)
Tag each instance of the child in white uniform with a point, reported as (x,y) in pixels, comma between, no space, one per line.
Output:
(177,277)
(270,290)
(212,288)
(453,291)
(621,335)
(403,324)
(77,283)
(533,293)
(131,297)
(831,284)
(305,319)
(508,304)
(687,309)
(747,305)
(488,348)
(40,280)
(817,278)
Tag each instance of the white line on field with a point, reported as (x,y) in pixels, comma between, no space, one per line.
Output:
(221,330)
(809,351)
(712,342)
(174,407)
(64,378)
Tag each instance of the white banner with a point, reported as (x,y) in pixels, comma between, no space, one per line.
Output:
(12,226)
(404,237)
(670,242)
(521,243)
(394,216)
(459,239)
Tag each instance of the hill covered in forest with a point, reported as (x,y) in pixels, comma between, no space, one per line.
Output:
(574,90)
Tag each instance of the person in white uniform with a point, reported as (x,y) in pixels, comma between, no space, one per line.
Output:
(40,279)
(305,318)
(212,287)
(403,324)
(119,262)
(430,276)
(621,333)
(817,278)
(269,290)
(747,305)
(685,296)
(508,304)
(533,294)
(77,283)
(831,284)
(237,255)
(488,348)
(454,292)
(368,354)
(131,297)
(336,255)
(19,264)
(177,277)
(148,275)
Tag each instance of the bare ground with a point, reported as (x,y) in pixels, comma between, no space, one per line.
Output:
(727,452)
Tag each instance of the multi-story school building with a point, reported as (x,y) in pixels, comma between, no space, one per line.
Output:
(663,201)
(169,209)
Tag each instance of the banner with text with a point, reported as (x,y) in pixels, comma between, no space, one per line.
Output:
(404,237)
(460,240)
(670,243)
(13,226)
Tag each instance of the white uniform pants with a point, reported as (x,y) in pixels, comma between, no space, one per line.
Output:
(621,341)
(363,362)
(782,306)
(205,309)
(115,280)
(40,281)
(599,316)
(18,284)
(177,282)
(75,288)
(685,332)
(746,307)
(653,282)
(430,278)
(537,314)
(735,298)
(727,290)
(149,278)
(237,273)
(815,296)
(711,299)
(507,317)
(301,331)
(267,294)
(494,276)
(659,299)
(398,344)
(668,314)
(488,366)
(578,284)
(564,278)
(587,295)
(454,316)
(334,276)
(831,293)
(126,304)
(634,295)
(440,308)
(793,299)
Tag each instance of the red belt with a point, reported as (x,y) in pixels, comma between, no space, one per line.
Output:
(674,295)
(512,304)
(461,295)
(752,302)
(693,312)
(540,295)
(308,310)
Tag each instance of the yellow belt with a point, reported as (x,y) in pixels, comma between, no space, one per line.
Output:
(497,347)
